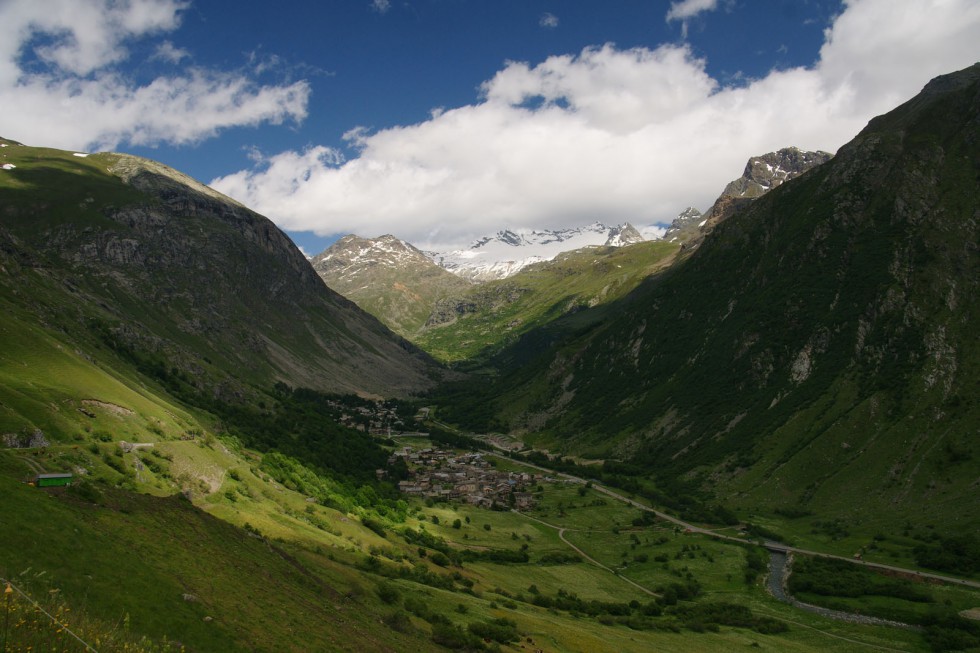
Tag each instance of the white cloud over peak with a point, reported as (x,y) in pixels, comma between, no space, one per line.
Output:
(61,82)
(607,134)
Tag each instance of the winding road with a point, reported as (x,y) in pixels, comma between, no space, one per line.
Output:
(775,547)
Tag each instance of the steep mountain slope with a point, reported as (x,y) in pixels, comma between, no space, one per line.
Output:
(388,278)
(132,264)
(508,252)
(828,357)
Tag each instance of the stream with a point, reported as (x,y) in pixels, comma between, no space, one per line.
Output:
(780,567)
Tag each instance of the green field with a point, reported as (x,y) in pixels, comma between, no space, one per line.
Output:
(274,567)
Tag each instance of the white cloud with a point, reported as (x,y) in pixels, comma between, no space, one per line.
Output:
(62,83)
(689,8)
(548,20)
(607,134)
(381,6)
(167,51)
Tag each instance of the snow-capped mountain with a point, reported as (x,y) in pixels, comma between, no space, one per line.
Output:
(388,278)
(509,251)
(351,255)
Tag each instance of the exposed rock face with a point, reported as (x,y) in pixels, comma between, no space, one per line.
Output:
(623,235)
(763,173)
(352,256)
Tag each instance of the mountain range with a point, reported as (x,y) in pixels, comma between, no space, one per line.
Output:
(506,284)
(510,251)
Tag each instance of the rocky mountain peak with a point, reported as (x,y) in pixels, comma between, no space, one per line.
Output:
(624,234)
(387,277)
(762,174)
(685,225)
(765,172)
(352,253)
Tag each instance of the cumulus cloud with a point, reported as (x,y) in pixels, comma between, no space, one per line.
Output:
(381,6)
(607,134)
(61,82)
(548,20)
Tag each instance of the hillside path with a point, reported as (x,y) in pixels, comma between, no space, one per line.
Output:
(561,536)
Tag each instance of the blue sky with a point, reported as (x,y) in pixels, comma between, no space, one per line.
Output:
(442,120)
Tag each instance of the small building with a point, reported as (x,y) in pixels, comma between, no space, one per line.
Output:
(52,480)
(523,500)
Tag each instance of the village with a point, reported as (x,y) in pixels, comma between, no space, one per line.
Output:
(441,474)
(448,476)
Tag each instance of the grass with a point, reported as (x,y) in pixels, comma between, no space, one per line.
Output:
(135,557)
(300,568)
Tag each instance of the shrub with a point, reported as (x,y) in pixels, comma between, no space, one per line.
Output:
(398,621)
(388,593)
(501,630)
(374,525)
(454,637)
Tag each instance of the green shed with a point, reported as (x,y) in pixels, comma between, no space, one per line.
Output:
(53,480)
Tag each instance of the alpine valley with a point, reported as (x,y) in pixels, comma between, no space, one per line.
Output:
(758,430)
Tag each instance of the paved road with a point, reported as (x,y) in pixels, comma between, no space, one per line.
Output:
(772,546)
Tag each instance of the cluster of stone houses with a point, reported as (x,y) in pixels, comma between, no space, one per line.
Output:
(445,475)
(376,418)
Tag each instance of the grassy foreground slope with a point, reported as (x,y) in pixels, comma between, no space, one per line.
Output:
(295,575)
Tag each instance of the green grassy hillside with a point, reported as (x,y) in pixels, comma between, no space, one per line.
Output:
(491,316)
(276,572)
